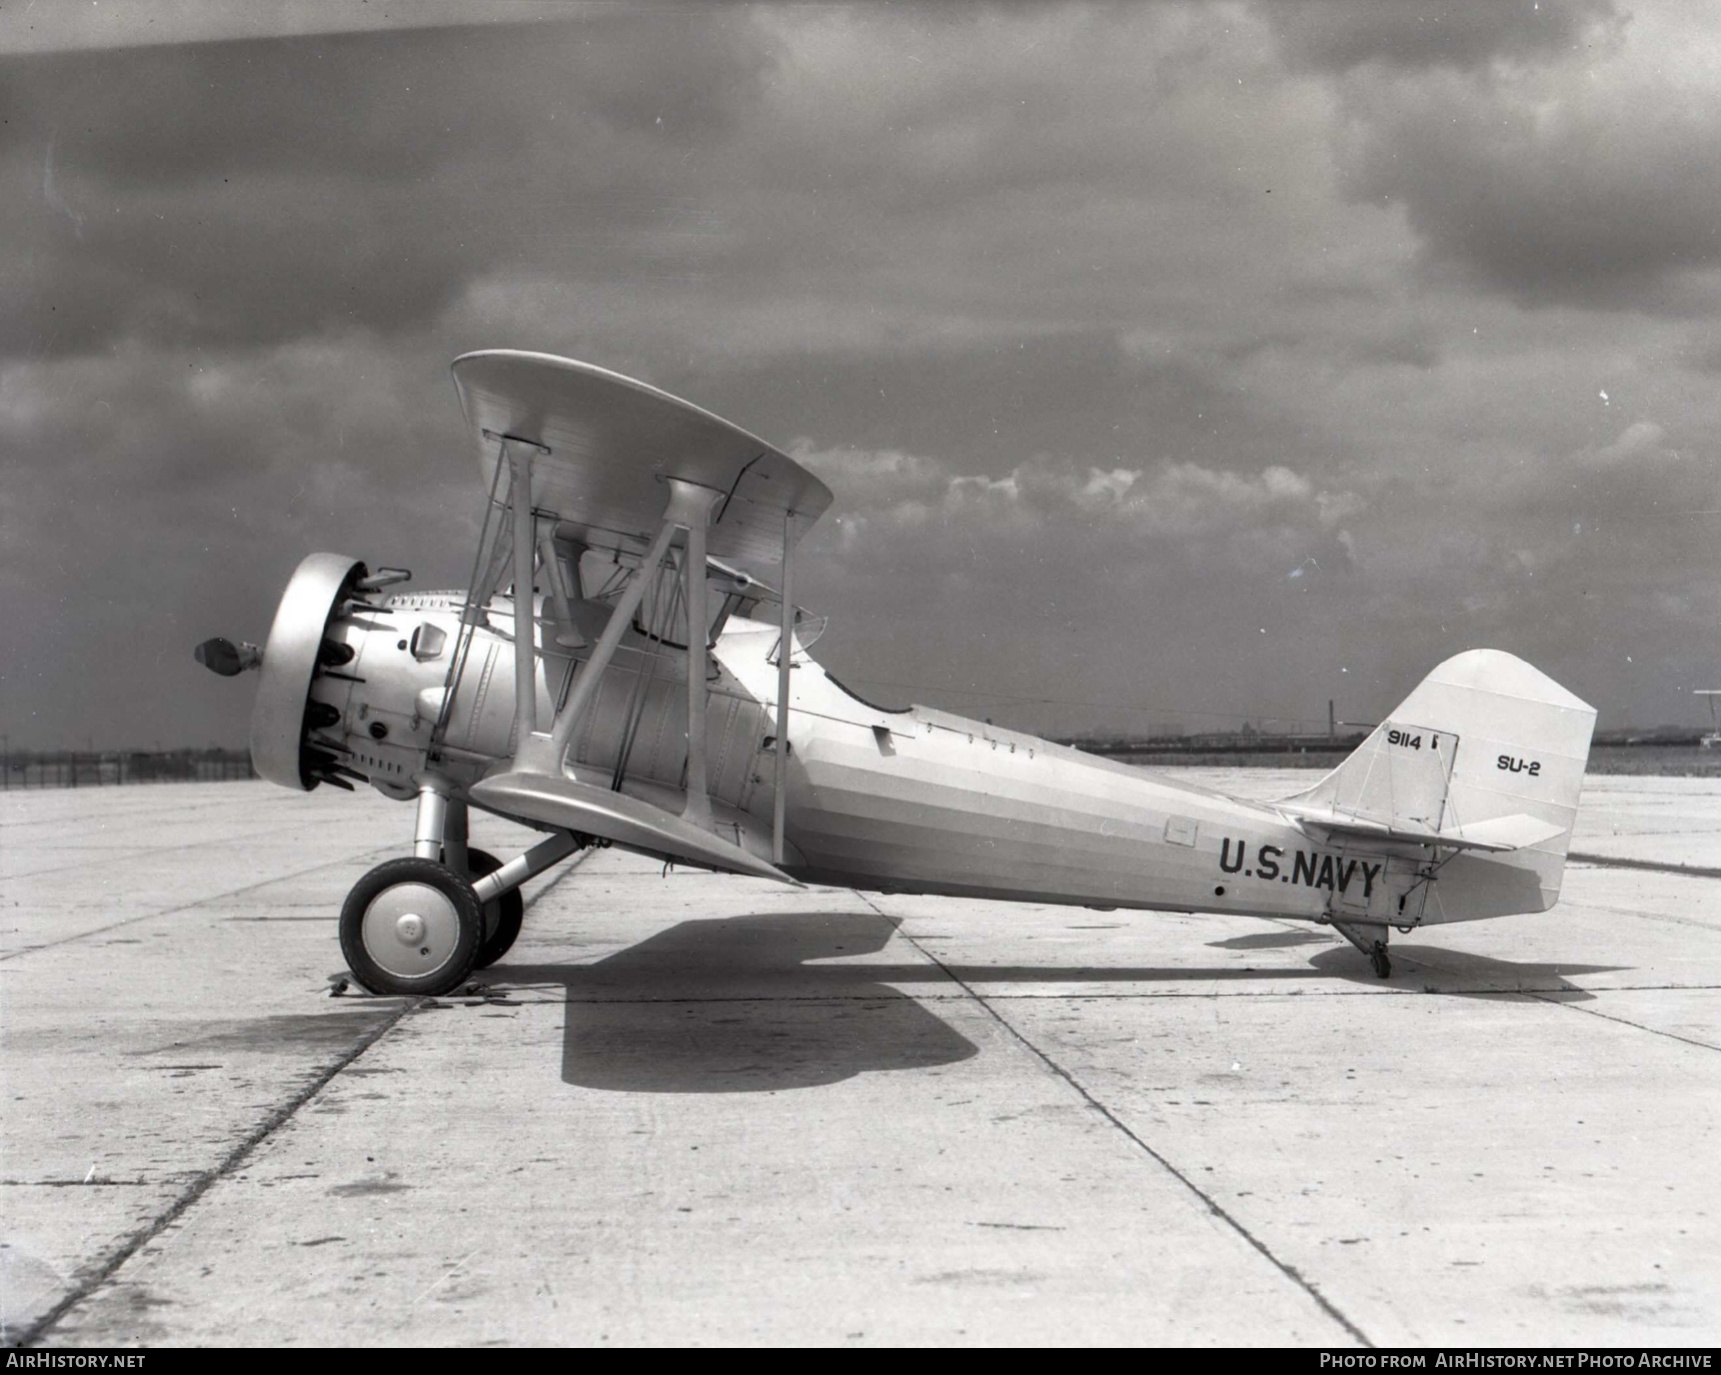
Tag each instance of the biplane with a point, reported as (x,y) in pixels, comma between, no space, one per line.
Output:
(621,672)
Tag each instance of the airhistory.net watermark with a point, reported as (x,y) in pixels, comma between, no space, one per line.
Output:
(1516,1360)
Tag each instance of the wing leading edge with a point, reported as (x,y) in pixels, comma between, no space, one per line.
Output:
(575,806)
(609,443)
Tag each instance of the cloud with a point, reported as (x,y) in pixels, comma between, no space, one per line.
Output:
(1583,177)
(250,192)
(1100,320)
(1174,502)
(1623,488)
(1638,442)
(59,28)
(1106,488)
(1336,35)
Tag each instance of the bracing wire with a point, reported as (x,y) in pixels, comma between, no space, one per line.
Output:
(468,624)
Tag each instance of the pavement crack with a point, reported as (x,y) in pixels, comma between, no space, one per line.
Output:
(1284,1267)
(1564,998)
(235,892)
(1653,866)
(1570,1006)
(92,1277)
(119,854)
(190,906)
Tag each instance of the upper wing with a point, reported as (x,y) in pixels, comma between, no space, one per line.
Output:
(612,441)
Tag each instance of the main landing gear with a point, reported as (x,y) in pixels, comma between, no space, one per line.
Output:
(420,926)
(1371,940)
(411,926)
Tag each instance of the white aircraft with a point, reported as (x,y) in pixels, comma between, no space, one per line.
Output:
(564,690)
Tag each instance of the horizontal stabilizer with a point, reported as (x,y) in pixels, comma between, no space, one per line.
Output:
(1517,832)
(613,816)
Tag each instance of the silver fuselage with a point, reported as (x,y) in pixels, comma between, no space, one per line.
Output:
(913,801)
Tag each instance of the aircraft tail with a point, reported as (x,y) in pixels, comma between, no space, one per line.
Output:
(1486,756)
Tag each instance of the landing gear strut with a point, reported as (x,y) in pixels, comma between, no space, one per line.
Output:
(442,835)
(422,925)
(502,916)
(1371,940)
(415,926)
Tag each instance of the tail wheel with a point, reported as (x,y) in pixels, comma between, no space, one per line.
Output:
(502,916)
(411,926)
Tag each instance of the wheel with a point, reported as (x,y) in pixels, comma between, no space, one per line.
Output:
(411,926)
(1380,960)
(502,916)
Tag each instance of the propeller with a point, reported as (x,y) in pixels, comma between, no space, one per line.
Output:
(226,658)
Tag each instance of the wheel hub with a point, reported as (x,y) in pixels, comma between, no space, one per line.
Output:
(411,930)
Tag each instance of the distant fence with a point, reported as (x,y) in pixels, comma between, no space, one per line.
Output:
(115,768)
(1672,751)
(1264,743)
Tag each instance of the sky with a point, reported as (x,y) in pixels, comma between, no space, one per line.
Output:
(1173,364)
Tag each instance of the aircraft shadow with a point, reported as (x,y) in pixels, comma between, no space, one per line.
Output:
(1272,940)
(740,1005)
(1458,973)
(764,1003)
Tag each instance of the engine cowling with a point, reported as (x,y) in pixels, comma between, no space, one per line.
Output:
(353,685)
(280,750)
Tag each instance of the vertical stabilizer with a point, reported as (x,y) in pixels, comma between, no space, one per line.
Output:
(1486,746)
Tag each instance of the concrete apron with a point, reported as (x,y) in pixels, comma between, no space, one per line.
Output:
(703,1109)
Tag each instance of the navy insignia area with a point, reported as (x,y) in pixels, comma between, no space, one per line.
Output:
(1311,868)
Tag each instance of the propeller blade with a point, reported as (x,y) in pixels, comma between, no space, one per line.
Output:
(226,658)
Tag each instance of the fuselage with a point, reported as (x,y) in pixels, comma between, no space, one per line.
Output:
(913,800)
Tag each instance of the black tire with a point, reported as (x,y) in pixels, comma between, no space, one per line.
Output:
(502,916)
(447,911)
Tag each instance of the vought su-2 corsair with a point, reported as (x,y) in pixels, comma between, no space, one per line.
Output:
(608,679)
